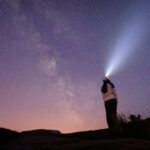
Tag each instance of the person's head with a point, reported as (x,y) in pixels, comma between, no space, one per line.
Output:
(104,86)
(105,78)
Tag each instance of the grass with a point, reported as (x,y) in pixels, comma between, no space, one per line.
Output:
(133,126)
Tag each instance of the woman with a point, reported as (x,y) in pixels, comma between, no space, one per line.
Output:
(110,100)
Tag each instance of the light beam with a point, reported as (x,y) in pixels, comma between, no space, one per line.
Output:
(126,45)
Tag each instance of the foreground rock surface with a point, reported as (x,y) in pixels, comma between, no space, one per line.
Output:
(54,140)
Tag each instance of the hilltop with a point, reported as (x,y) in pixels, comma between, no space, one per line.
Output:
(132,133)
(55,140)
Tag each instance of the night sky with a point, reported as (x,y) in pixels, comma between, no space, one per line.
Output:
(54,54)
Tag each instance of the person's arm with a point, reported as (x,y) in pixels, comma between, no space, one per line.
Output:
(103,95)
(114,93)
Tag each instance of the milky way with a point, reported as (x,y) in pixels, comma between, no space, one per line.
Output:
(53,56)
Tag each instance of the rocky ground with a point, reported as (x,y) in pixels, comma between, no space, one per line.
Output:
(54,140)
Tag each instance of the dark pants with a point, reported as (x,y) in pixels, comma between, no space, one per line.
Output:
(111,112)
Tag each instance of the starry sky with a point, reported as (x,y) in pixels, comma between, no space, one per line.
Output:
(53,56)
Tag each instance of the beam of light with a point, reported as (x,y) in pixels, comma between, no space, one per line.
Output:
(126,45)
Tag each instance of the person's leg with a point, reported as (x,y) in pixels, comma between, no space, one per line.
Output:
(113,110)
(108,114)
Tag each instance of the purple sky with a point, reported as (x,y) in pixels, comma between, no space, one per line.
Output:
(53,55)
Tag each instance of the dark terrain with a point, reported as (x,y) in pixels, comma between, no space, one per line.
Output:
(89,140)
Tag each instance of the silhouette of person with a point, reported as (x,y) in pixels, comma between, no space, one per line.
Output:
(110,101)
